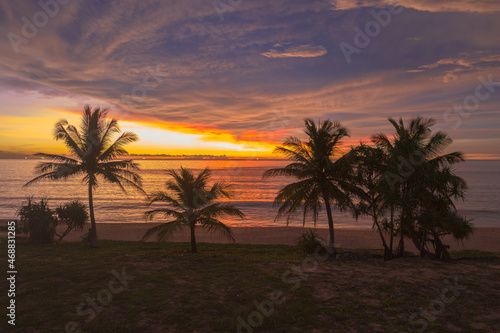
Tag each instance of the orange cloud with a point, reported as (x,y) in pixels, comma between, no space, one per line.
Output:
(302,51)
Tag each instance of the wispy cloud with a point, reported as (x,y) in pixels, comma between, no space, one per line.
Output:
(452,68)
(302,51)
(471,6)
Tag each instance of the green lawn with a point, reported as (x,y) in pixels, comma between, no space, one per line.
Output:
(176,291)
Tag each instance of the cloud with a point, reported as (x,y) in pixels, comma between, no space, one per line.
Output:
(470,6)
(452,68)
(218,75)
(302,51)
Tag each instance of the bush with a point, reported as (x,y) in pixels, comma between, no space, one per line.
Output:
(86,238)
(39,220)
(309,241)
(74,215)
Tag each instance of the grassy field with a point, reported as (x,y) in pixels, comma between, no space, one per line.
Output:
(259,288)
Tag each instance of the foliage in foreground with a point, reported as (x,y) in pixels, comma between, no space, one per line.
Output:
(309,242)
(39,221)
(73,215)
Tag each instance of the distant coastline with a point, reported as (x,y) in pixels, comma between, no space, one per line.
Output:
(195,157)
(169,157)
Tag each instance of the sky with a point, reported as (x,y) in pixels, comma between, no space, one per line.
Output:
(237,77)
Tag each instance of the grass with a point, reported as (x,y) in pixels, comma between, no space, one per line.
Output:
(177,291)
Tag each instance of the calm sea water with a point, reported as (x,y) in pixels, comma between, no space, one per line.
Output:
(252,194)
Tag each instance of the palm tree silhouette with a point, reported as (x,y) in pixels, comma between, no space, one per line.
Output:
(373,195)
(93,151)
(190,202)
(416,168)
(320,178)
(436,214)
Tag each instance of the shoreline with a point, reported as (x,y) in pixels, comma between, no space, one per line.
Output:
(484,239)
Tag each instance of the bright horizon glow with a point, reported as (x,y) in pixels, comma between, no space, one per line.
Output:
(154,138)
(34,135)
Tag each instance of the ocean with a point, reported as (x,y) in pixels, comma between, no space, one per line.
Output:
(252,194)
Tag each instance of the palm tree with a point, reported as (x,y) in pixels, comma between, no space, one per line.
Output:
(320,178)
(416,171)
(435,213)
(369,165)
(190,202)
(93,152)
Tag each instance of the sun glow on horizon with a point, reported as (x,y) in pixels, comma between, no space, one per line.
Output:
(156,138)
(35,134)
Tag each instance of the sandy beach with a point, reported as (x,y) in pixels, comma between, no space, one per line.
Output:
(485,239)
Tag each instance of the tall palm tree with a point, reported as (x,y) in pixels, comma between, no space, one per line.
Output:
(414,166)
(93,154)
(190,202)
(320,178)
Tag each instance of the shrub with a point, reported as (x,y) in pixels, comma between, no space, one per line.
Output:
(86,238)
(39,220)
(309,241)
(74,215)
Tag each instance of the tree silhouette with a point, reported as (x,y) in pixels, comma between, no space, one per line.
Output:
(320,178)
(374,198)
(190,202)
(423,184)
(93,154)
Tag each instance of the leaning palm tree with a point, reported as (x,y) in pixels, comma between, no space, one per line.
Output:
(320,178)
(190,202)
(93,154)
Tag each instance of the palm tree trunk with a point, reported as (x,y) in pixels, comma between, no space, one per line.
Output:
(384,243)
(401,246)
(419,243)
(331,244)
(422,244)
(193,240)
(375,221)
(392,231)
(93,229)
(441,249)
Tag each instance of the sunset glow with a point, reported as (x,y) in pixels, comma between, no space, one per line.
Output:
(233,84)
(250,165)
